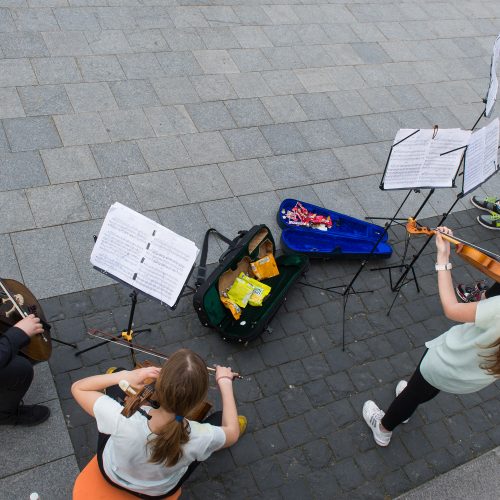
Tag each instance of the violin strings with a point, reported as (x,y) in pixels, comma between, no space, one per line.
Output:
(472,245)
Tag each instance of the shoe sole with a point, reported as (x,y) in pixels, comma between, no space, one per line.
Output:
(486,226)
(479,206)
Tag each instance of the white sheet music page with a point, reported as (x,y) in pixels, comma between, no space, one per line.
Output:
(481,159)
(143,254)
(493,88)
(416,162)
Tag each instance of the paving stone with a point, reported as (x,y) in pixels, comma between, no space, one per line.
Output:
(215,61)
(103,42)
(227,216)
(177,90)
(45,100)
(249,85)
(55,70)
(158,190)
(246,177)
(10,104)
(146,40)
(31,166)
(81,129)
(100,194)
(139,66)
(322,165)
(218,38)
(284,109)
(127,125)
(319,134)
(268,203)
(59,204)
(9,266)
(317,106)
(100,68)
(170,120)
(118,158)
(29,20)
(249,112)
(284,138)
(207,147)
(316,79)
(16,72)
(23,44)
(203,183)
(66,43)
(88,97)
(25,134)
(249,60)
(164,153)
(213,87)
(246,143)
(183,39)
(209,116)
(17,214)
(179,63)
(285,171)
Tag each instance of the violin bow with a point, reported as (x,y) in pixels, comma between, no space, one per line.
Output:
(94,332)
(13,300)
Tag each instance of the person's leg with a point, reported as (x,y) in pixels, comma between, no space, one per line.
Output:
(15,379)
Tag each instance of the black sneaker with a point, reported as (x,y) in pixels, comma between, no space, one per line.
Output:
(27,415)
(491,221)
(471,292)
(490,203)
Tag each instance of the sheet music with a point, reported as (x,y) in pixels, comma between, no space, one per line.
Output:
(416,162)
(143,254)
(493,88)
(481,159)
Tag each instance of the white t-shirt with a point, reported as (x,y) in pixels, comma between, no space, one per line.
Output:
(453,361)
(126,455)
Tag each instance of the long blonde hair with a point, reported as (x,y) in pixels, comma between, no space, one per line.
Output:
(182,384)
(492,364)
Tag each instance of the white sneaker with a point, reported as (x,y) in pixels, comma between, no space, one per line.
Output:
(373,415)
(399,389)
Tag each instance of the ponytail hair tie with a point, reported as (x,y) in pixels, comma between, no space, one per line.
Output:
(179,418)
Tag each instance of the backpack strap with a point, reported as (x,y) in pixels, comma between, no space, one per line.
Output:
(202,267)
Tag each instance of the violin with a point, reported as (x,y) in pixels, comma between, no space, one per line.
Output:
(17,302)
(483,260)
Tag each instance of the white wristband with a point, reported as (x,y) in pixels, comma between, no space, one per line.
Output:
(443,267)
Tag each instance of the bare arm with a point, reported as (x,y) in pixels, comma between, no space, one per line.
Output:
(230,425)
(454,310)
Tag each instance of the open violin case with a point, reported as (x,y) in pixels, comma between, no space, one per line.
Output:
(347,237)
(248,246)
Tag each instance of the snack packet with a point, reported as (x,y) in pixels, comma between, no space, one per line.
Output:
(240,292)
(265,267)
(260,290)
(232,306)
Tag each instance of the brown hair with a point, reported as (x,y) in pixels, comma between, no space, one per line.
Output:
(492,364)
(182,384)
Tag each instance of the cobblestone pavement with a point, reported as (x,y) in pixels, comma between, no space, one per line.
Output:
(301,393)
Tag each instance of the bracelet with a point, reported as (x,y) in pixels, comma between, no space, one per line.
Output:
(443,267)
(224,376)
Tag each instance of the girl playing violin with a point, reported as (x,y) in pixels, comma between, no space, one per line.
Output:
(152,458)
(463,360)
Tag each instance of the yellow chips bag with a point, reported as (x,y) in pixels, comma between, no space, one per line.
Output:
(265,267)
(260,290)
(240,292)
(232,306)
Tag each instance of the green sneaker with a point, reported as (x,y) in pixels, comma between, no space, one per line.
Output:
(490,203)
(491,221)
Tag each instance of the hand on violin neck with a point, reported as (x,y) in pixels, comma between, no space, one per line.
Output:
(443,245)
(30,325)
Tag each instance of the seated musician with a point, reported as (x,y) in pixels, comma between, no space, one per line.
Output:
(463,360)
(152,458)
(16,375)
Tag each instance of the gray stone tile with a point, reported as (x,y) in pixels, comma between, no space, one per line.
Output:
(45,100)
(312,34)
(261,208)
(219,37)
(337,196)
(69,164)
(158,190)
(134,94)
(190,222)
(357,161)
(383,125)
(16,72)
(48,269)
(80,129)
(17,214)
(100,68)
(249,112)
(207,147)
(177,90)
(187,17)
(371,53)
(317,106)
(183,39)
(146,40)
(316,79)
(374,75)
(319,134)
(283,57)
(282,36)
(25,134)
(314,56)
(164,153)
(227,216)
(33,20)
(23,44)
(203,183)
(179,63)
(346,78)
(8,264)
(88,97)
(59,204)
(53,480)
(100,194)
(249,85)
(66,43)
(379,99)
(10,104)
(80,237)
(284,109)
(141,66)
(215,61)
(251,15)
(302,193)
(283,82)
(213,87)
(322,166)
(249,60)
(104,42)
(246,177)
(251,37)
(76,19)
(408,96)
(349,103)
(246,143)
(209,116)
(353,130)
(118,158)
(285,171)
(441,116)
(56,70)
(127,125)
(21,170)
(281,14)
(170,120)
(4,145)
(284,138)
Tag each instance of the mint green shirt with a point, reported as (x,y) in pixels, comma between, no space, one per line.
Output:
(452,363)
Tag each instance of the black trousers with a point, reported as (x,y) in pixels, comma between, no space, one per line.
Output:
(493,290)
(115,392)
(15,379)
(417,391)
